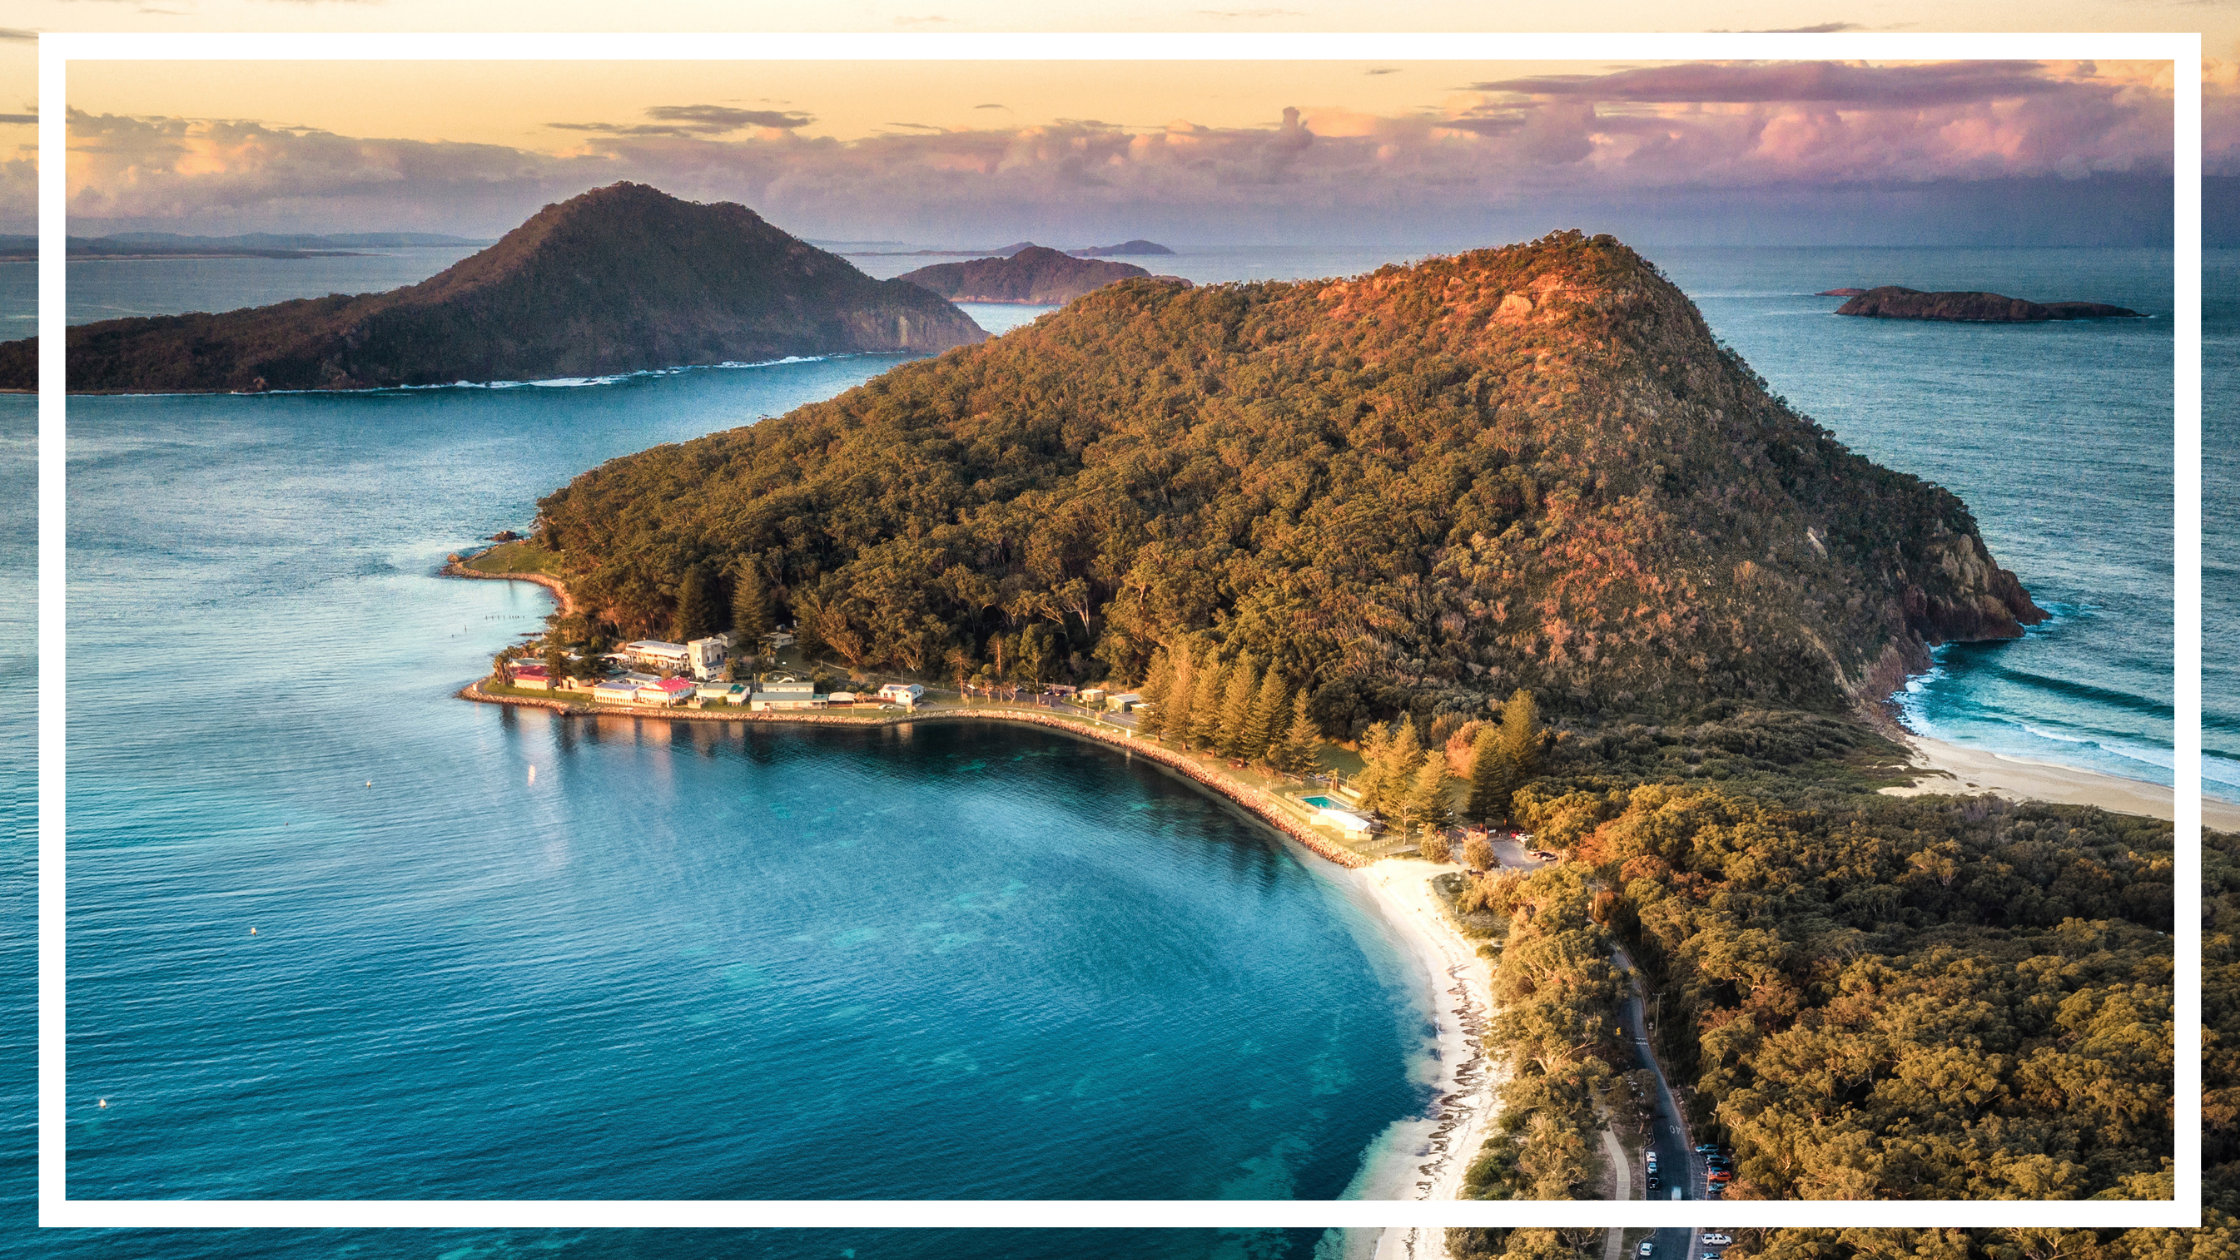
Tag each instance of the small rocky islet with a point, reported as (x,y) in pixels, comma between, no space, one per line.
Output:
(1897,302)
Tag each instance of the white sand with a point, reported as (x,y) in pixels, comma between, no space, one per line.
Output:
(1438,1149)
(1949,768)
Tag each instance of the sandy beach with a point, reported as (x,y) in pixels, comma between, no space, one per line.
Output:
(1950,768)
(1429,1156)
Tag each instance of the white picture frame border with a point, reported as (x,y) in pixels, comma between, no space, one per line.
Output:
(57,50)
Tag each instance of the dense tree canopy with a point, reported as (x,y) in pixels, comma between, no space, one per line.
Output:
(1530,467)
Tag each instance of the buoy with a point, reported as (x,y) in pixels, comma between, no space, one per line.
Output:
(532,774)
(104,1104)
(369,783)
(252,931)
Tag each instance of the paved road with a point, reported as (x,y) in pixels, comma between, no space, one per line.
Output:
(1677,1162)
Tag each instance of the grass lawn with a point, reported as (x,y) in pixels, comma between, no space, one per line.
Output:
(514,557)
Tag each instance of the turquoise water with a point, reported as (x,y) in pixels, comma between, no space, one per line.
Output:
(465,984)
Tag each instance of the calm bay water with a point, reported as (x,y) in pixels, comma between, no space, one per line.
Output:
(715,963)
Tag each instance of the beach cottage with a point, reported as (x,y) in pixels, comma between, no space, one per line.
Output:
(615,691)
(906,694)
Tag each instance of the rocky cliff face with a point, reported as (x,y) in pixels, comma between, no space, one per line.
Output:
(620,279)
(1034,276)
(1893,302)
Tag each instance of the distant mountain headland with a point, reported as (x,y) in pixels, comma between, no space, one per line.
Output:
(1893,302)
(1529,467)
(620,279)
(1034,276)
(893,249)
(251,245)
(1135,248)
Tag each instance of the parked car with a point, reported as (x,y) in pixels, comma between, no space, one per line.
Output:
(1716,1240)
(1718,1161)
(1719,1176)
(1654,1184)
(1707,1148)
(1647,1249)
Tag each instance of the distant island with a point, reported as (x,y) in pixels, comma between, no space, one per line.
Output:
(893,249)
(1034,276)
(1893,302)
(1125,249)
(620,279)
(130,245)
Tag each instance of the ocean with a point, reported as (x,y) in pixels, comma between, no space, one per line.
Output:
(687,962)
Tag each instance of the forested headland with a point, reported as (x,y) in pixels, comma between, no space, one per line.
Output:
(1414,492)
(619,279)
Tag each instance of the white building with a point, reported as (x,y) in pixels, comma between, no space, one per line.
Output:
(706,656)
(657,654)
(1345,820)
(1124,702)
(616,691)
(902,693)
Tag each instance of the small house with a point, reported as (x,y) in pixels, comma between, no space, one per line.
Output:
(721,693)
(842,697)
(616,691)
(1093,696)
(907,694)
(667,692)
(1124,702)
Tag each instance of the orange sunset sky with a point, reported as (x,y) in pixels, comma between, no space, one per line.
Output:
(956,152)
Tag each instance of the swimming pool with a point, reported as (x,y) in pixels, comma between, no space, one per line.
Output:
(1319,802)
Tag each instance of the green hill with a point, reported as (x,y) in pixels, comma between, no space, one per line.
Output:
(619,279)
(1525,467)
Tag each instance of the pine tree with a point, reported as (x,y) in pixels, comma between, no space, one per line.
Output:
(750,611)
(1171,717)
(1520,734)
(1401,757)
(1300,749)
(1425,807)
(699,607)
(1158,679)
(1205,702)
(1236,707)
(1492,777)
(1265,731)
(1369,784)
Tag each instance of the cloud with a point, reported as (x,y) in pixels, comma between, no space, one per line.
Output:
(1382,70)
(1626,138)
(1817,82)
(695,120)
(1251,13)
(1822,28)
(9,33)
(24,119)
(991,107)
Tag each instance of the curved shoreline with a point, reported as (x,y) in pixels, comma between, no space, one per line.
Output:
(1260,804)
(559,589)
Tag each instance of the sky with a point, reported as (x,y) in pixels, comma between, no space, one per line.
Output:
(965,154)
